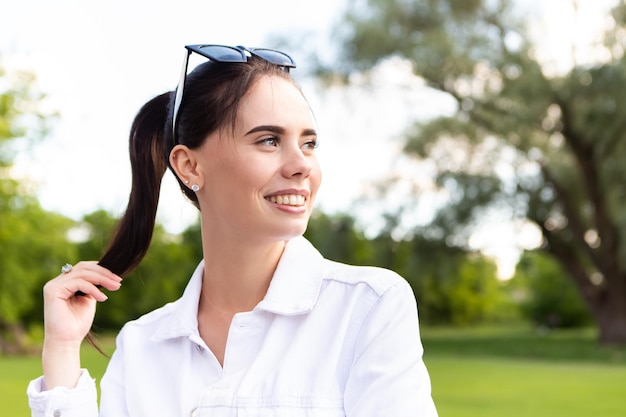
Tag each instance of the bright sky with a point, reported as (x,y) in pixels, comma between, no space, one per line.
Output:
(98,62)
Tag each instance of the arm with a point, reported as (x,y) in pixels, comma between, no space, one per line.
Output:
(388,377)
(67,320)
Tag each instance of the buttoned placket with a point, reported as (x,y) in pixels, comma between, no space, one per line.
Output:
(245,337)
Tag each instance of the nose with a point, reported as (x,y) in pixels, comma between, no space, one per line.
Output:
(297,162)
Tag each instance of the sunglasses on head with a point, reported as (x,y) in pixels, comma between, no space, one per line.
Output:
(223,53)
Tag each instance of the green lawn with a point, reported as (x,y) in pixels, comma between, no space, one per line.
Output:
(486,387)
(517,372)
(503,372)
(16,372)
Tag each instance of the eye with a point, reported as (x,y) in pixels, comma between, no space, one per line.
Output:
(270,141)
(310,144)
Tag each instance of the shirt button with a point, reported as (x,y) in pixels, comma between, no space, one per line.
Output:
(57,413)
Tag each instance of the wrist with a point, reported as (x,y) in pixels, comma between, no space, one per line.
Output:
(62,345)
(61,364)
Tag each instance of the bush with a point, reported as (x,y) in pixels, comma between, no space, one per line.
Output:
(550,298)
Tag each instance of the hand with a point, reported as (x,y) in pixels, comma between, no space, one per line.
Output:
(68,316)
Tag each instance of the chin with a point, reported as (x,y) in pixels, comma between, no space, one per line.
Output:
(291,233)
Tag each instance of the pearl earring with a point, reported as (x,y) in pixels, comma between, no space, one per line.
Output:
(195,188)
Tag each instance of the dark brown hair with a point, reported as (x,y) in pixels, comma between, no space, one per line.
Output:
(211,99)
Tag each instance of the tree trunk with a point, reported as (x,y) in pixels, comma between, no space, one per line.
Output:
(12,339)
(610,314)
(612,330)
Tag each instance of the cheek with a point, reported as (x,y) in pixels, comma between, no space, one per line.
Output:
(249,179)
(316,177)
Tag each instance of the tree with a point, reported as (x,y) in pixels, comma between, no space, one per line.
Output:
(551,299)
(452,285)
(33,241)
(542,147)
(337,238)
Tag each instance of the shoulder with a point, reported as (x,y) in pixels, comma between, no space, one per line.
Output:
(155,316)
(378,280)
(371,299)
(177,318)
(149,323)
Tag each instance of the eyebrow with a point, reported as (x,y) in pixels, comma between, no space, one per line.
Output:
(279,130)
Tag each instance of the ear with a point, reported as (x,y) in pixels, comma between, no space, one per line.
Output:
(184,162)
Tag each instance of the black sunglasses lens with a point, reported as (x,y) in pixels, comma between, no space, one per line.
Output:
(222,53)
(275,57)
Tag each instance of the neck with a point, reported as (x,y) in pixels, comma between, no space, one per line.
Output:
(237,275)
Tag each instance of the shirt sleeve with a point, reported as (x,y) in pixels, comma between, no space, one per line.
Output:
(80,401)
(388,376)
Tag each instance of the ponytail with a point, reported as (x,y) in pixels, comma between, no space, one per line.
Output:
(134,231)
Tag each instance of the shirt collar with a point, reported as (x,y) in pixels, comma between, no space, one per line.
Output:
(297,280)
(294,289)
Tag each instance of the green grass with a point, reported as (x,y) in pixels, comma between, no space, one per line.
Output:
(487,387)
(521,342)
(14,376)
(16,372)
(518,372)
(475,372)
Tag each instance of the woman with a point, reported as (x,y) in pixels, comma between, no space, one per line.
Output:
(266,325)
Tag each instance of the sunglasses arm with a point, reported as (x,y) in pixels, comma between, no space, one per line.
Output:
(179,91)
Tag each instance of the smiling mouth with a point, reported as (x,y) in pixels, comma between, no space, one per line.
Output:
(295,200)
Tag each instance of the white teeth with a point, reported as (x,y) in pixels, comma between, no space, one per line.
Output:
(290,200)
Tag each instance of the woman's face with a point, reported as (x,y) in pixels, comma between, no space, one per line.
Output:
(260,181)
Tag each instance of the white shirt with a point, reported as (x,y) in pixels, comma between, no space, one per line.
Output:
(328,340)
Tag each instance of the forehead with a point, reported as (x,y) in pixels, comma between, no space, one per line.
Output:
(276,101)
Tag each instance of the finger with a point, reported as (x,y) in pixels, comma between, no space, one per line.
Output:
(82,281)
(93,273)
(66,289)
(97,283)
(96,279)
(86,289)
(94,266)
(86,282)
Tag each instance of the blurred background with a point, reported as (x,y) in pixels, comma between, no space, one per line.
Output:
(476,147)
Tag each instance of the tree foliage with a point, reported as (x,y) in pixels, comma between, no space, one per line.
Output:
(551,300)
(33,242)
(22,117)
(542,147)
